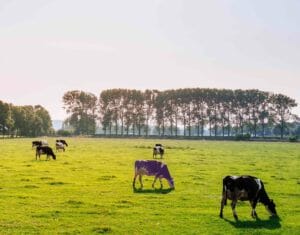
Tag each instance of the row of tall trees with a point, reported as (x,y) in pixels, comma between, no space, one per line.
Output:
(188,112)
(24,120)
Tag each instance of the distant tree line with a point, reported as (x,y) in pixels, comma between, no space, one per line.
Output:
(186,112)
(26,120)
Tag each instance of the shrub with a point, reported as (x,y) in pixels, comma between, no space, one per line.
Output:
(293,138)
(63,133)
(243,136)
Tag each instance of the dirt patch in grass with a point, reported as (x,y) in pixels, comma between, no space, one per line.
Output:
(50,214)
(57,183)
(104,229)
(25,180)
(126,202)
(31,186)
(107,177)
(74,203)
(103,212)
(46,178)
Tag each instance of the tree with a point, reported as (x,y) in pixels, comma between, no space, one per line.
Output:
(43,117)
(82,109)
(149,99)
(282,109)
(4,109)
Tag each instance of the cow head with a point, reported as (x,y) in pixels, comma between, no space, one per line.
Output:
(171,183)
(271,208)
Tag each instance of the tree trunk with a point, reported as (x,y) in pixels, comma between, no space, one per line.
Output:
(122,126)
(116,126)
(176,126)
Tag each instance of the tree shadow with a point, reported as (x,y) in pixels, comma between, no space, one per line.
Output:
(272,223)
(153,191)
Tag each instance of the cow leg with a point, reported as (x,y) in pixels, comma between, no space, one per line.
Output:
(223,203)
(161,185)
(253,212)
(134,178)
(37,155)
(140,178)
(233,205)
(155,178)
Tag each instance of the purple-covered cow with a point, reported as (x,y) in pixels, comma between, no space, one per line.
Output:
(155,168)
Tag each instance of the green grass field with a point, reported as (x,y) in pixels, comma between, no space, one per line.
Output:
(88,189)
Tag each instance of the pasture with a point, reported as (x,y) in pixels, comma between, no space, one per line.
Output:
(88,189)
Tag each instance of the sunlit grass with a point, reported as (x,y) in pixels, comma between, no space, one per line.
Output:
(88,189)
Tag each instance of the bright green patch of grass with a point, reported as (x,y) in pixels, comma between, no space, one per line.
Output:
(88,189)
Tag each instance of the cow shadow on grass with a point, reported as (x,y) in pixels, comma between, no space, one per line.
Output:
(153,191)
(272,223)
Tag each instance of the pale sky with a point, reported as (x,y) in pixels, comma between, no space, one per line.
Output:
(49,47)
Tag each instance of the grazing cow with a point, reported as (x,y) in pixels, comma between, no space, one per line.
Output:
(39,143)
(158,149)
(245,188)
(44,150)
(152,167)
(62,141)
(59,145)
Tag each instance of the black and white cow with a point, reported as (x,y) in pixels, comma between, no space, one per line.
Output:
(62,141)
(59,145)
(158,149)
(152,168)
(39,143)
(44,150)
(245,188)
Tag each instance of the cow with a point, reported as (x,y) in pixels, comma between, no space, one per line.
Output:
(152,168)
(245,188)
(39,143)
(44,150)
(62,141)
(158,149)
(59,145)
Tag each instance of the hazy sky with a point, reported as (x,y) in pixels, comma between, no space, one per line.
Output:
(48,47)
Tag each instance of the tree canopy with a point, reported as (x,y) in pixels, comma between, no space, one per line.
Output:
(187,112)
(24,120)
